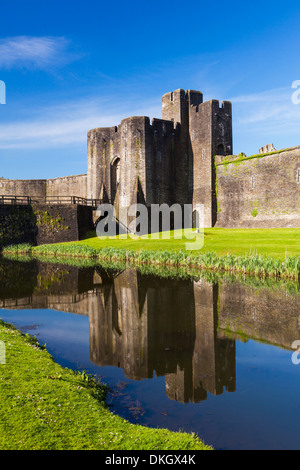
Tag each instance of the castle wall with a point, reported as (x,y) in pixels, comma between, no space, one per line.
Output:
(144,153)
(22,187)
(160,163)
(134,147)
(259,192)
(39,224)
(17,225)
(210,130)
(200,144)
(67,186)
(40,188)
(103,145)
(202,131)
(62,223)
(175,109)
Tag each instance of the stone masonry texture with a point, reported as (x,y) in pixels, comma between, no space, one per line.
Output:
(40,224)
(260,192)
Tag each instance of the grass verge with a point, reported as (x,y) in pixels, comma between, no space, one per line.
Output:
(264,253)
(46,407)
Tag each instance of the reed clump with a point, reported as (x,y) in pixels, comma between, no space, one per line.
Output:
(251,263)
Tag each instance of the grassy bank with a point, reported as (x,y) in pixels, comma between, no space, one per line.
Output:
(44,406)
(277,243)
(272,253)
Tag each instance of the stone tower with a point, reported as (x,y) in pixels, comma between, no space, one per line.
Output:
(205,131)
(170,160)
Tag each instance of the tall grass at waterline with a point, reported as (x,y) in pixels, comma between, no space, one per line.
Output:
(252,263)
(289,284)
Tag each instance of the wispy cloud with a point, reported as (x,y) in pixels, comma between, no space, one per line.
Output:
(268,116)
(277,94)
(257,118)
(267,108)
(66,124)
(34,52)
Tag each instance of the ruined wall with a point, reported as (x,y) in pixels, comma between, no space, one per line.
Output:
(67,186)
(41,224)
(17,225)
(161,163)
(260,192)
(22,187)
(62,223)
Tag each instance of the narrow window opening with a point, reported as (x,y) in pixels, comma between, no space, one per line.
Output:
(221,150)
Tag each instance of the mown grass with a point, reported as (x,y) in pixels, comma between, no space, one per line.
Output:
(277,243)
(46,407)
(272,253)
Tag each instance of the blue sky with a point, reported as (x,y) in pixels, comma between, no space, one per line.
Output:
(70,66)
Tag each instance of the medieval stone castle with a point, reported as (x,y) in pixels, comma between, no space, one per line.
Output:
(169,160)
(186,158)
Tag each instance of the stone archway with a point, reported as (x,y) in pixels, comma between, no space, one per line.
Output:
(221,150)
(114,178)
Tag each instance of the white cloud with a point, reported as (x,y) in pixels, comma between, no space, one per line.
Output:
(67,124)
(33,52)
(269,115)
(277,94)
(271,108)
(261,118)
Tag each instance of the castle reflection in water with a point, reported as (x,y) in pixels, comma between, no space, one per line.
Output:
(185,330)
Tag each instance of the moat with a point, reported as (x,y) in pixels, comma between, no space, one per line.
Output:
(206,354)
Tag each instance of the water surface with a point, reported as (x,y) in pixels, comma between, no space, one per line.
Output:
(210,356)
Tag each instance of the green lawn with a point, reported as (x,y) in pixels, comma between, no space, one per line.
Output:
(46,407)
(273,253)
(269,242)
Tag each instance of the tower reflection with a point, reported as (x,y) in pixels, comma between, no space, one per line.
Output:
(184,330)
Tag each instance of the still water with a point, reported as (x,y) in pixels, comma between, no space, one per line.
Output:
(203,355)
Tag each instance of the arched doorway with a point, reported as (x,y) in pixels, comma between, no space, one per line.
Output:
(115,178)
(221,150)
